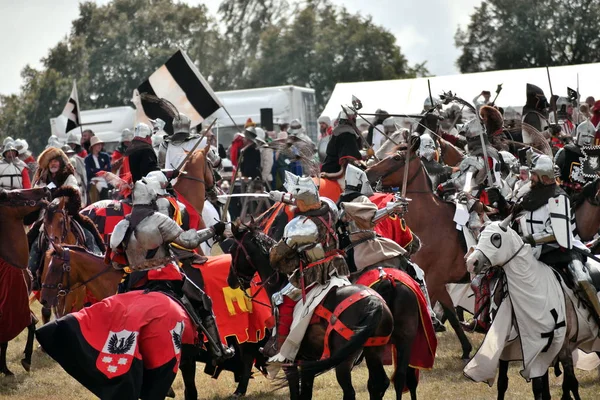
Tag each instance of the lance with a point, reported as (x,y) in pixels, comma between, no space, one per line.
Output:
(498,90)
(224,196)
(189,154)
(552,95)
(362,139)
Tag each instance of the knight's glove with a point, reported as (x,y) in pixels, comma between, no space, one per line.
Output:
(529,239)
(461,142)
(219,228)
(279,196)
(462,197)
(494,196)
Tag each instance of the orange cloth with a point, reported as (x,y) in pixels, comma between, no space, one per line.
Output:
(328,188)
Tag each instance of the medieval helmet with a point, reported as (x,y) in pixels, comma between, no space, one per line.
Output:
(356,181)
(427,103)
(6,140)
(142,130)
(73,138)
(472,130)
(543,166)
(536,99)
(586,133)
(295,127)
(143,194)
(67,150)
(161,182)
(324,119)
(126,135)
(427,147)
(347,116)
(260,135)
(9,146)
(303,189)
(22,146)
(181,123)
(389,125)
(510,160)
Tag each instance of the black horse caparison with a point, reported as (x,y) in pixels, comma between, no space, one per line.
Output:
(369,317)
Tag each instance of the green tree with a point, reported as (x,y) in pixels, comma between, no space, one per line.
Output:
(507,34)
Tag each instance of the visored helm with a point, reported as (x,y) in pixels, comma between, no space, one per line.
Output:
(143,194)
(356,181)
(543,167)
(303,189)
(427,147)
(160,179)
(586,134)
(181,123)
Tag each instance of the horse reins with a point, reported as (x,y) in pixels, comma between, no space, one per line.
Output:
(411,179)
(66,268)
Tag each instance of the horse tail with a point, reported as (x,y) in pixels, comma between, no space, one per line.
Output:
(365,329)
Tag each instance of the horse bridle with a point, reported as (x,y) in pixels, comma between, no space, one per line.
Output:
(245,280)
(411,179)
(65,257)
(65,229)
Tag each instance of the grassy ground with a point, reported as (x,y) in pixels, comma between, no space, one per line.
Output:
(49,382)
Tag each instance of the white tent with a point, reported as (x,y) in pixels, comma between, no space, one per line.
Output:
(408,95)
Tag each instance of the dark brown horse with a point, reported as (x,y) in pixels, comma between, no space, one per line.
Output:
(368,318)
(441,255)
(587,210)
(71,267)
(15,280)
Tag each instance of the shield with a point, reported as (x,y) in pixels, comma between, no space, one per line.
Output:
(119,233)
(116,356)
(322,147)
(560,216)
(591,161)
(176,335)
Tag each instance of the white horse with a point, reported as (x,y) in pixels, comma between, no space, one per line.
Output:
(538,321)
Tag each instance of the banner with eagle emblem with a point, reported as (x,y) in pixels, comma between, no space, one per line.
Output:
(591,161)
(117,354)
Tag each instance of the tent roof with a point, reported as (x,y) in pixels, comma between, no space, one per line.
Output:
(408,95)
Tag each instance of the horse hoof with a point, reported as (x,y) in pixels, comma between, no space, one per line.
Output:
(7,372)
(26,365)
(236,396)
(465,361)
(171,393)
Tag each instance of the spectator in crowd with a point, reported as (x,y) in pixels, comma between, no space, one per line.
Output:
(86,137)
(97,161)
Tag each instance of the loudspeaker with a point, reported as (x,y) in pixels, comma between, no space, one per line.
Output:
(266,118)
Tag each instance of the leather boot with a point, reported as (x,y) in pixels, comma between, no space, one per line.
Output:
(219,351)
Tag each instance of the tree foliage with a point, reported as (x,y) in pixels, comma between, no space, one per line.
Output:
(112,48)
(508,34)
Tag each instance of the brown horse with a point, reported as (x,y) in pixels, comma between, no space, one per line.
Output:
(450,154)
(368,318)
(196,180)
(71,267)
(587,210)
(15,314)
(431,219)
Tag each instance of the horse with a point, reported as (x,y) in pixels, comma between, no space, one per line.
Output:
(586,206)
(63,224)
(532,291)
(368,319)
(72,267)
(15,280)
(442,260)
(192,183)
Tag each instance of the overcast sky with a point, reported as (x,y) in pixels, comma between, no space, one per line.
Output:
(423,29)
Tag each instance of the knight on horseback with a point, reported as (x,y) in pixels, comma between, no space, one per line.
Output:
(308,253)
(569,159)
(366,248)
(544,221)
(141,242)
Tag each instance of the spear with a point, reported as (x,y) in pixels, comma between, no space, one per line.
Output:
(552,95)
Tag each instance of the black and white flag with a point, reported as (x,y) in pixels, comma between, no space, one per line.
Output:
(179,82)
(71,110)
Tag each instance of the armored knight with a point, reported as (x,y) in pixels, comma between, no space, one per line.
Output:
(535,111)
(142,158)
(428,153)
(180,142)
(569,159)
(14,173)
(308,254)
(343,148)
(364,247)
(144,237)
(544,221)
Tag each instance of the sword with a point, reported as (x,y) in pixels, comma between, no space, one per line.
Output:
(188,155)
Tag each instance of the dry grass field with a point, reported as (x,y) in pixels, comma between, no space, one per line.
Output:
(47,381)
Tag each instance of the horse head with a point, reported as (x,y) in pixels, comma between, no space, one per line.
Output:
(249,248)
(498,244)
(21,202)
(390,170)
(54,278)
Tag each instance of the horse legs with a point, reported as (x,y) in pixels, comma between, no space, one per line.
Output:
(188,371)
(306,385)
(247,357)
(46,314)
(401,368)
(343,373)
(502,379)
(450,313)
(570,383)
(293,382)
(411,382)
(378,380)
(26,361)
(541,388)
(3,367)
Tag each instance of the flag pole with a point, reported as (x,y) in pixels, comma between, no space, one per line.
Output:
(232,120)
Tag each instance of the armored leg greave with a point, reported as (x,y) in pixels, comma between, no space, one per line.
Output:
(585,287)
